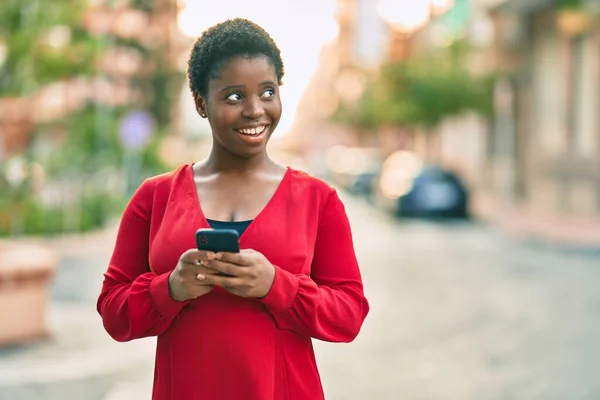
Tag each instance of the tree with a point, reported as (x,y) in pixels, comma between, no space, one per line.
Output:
(421,92)
(46,42)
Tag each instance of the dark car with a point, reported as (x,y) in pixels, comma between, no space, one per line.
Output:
(436,193)
(362,184)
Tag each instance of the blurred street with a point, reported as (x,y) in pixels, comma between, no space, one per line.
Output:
(459,311)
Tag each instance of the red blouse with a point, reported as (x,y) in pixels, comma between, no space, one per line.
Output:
(221,346)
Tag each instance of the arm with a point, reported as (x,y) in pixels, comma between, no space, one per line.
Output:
(135,302)
(330,304)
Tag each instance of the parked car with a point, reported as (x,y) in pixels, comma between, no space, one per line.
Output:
(409,188)
(436,193)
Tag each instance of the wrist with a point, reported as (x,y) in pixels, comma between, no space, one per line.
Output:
(174,289)
(269,283)
(283,291)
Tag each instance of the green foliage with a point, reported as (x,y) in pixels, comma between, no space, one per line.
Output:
(89,134)
(39,220)
(87,140)
(13,192)
(30,60)
(165,84)
(92,141)
(144,5)
(420,92)
(569,5)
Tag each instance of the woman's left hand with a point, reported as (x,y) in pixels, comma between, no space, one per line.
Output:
(245,274)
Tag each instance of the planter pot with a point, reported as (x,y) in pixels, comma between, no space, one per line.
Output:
(26,273)
(573,23)
(16,124)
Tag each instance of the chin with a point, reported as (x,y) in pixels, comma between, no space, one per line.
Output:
(250,153)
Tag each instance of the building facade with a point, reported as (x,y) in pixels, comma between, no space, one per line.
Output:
(544,153)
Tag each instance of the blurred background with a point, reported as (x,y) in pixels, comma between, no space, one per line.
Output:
(463,136)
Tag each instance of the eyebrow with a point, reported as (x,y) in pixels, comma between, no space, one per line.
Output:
(230,87)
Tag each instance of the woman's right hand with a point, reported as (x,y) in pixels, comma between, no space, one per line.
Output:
(183,282)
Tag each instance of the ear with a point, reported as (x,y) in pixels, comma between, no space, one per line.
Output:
(200,104)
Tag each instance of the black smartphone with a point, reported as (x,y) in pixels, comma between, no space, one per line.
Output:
(216,240)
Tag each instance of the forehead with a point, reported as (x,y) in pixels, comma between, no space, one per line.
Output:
(244,71)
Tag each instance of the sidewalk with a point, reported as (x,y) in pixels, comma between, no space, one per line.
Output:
(79,360)
(530,224)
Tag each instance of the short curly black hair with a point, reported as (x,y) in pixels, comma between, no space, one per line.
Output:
(236,37)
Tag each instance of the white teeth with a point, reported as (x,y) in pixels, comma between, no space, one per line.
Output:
(253,131)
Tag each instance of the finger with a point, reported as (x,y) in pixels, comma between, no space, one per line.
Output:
(188,256)
(194,256)
(197,275)
(204,270)
(225,268)
(220,280)
(241,258)
(202,282)
(191,270)
(206,255)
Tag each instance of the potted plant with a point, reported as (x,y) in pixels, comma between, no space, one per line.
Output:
(26,270)
(36,48)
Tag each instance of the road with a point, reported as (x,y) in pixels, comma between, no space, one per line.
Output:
(458,312)
(461,312)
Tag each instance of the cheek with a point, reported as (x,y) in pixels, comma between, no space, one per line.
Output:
(275,109)
(223,116)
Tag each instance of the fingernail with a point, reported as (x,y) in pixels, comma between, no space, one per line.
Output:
(218,256)
(210,255)
(200,277)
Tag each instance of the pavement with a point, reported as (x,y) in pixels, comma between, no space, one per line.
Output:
(535,225)
(459,311)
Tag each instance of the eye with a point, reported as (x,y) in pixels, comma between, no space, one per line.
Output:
(234,97)
(268,93)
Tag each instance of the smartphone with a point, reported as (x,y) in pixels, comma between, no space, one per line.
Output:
(216,240)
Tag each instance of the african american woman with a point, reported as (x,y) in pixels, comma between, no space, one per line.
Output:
(235,326)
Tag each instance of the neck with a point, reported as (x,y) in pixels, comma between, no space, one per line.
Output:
(220,160)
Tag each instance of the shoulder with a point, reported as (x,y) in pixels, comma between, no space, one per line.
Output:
(306,182)
(166,181)
(311,189)
(318,195)
(155,191)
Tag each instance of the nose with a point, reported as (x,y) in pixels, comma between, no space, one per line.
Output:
(253,109)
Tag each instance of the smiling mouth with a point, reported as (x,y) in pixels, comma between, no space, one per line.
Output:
(252,131)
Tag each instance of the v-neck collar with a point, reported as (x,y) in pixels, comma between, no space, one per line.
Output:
(196,200)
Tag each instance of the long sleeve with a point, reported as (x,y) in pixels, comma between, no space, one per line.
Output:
(135,302)
(329,304)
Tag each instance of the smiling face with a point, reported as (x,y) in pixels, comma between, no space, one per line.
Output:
(242,105)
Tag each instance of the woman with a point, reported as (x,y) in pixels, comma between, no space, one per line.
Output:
(235,326)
